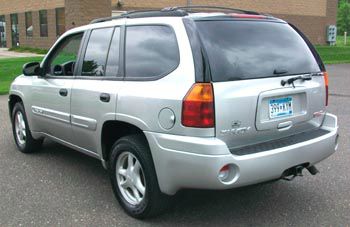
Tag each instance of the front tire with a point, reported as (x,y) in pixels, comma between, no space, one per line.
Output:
(134,179)
(21,132)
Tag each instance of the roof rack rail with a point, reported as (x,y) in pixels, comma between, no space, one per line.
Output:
(177,11)
(144,13)
(209,7)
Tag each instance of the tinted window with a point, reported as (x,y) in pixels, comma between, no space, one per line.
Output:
(29,24)
(43,23)
(96,52)
(60,21)
(254,49)
(151,51)
(14,30)
(62,61)
(113,55)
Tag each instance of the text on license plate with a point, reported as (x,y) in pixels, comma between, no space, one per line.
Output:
(281,107)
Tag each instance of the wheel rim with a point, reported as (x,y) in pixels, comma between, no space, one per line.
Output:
(130,178)
(20,128)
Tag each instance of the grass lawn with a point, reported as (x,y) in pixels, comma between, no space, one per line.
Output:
(28,50)
(10,68)
(335,54)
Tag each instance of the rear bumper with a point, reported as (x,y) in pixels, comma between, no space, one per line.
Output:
(191,162)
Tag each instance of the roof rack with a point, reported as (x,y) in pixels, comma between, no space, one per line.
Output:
(143,14)
(189,9)
(177,11)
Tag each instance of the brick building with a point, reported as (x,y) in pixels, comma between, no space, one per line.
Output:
(38,23)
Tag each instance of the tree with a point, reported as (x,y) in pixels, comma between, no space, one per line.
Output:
(343,20)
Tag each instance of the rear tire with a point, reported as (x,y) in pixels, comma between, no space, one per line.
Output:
(21,132)
(134,181)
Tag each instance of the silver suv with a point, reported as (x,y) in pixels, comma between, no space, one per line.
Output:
(175,99)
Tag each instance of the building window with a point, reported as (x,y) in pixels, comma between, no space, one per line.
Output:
(14,30)
(43,23)
(2,31)
(29,24)
(60,21)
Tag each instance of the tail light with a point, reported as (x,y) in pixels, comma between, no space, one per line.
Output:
(325,76)
(198,106)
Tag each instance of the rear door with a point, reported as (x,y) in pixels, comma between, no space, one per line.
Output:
(95,89)
(250,63)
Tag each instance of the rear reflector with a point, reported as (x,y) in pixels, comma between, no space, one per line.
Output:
(224,173)
(198,106)
(325,75)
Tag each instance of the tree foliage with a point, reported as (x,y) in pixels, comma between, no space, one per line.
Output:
(343,20)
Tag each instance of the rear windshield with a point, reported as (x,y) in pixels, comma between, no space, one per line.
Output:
(239,50)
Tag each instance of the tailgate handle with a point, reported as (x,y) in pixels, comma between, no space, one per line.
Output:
(285,125)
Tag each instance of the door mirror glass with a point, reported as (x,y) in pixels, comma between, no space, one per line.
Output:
(31,69)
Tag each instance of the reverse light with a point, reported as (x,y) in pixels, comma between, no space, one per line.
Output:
(198,106)
(325,76)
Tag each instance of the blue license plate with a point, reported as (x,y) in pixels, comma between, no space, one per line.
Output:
(281,107)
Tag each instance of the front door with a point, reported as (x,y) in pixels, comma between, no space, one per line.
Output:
(51,95)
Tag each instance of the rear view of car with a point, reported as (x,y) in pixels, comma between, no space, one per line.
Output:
(270,92)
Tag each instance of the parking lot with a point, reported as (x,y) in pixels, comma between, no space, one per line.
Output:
(58,186)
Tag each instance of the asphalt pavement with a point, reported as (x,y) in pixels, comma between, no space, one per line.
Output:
(61,187)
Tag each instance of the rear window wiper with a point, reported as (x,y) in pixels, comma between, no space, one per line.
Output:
(280,71)
(293,79)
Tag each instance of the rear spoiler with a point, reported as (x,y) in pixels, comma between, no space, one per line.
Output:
(311,47)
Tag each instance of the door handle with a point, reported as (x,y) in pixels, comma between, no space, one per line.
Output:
(104,97)
(63,92)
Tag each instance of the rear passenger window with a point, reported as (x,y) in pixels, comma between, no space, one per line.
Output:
(113,55)
(151,51)
(95,58)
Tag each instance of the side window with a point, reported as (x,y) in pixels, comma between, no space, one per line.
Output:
(62,61)
(95,58)
(150,51)
(113,55)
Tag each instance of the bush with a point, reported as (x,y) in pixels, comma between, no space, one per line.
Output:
(343,20)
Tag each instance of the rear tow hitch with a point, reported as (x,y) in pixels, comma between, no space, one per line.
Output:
(297,171)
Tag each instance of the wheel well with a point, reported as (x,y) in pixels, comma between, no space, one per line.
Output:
(13,99)
(114,130)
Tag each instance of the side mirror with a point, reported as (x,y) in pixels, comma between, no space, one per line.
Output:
(32,69)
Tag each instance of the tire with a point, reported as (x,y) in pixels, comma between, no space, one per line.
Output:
(22,136)
(153,202)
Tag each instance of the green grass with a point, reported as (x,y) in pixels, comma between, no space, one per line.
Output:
(335,54)
(340,41)
(24,49)
(10,68)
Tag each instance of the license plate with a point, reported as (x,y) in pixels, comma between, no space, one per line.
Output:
(281,107)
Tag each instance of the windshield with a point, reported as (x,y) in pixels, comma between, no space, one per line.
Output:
(239,50)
